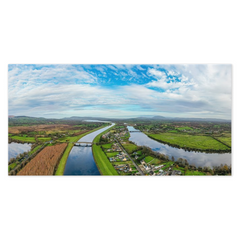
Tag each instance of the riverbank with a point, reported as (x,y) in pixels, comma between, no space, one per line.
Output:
(101,160)
(198,163)
(63,161)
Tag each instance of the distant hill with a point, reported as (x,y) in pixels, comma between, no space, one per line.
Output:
(158,117)
(201,119)
(22,119)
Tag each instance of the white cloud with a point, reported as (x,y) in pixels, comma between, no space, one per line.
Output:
(63,89)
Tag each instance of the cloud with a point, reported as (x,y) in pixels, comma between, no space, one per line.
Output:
(168,90)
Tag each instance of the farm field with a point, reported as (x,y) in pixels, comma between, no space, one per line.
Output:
(190,141)
(148,159)
(112,154)
(24,139)
(226,140)
(45,162)
(130,147)
(107,146)
(43,139)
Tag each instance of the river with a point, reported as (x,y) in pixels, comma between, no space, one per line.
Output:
(16,148)
(80,160)
(199,159)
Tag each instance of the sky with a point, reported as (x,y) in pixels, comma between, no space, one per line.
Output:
(120,91)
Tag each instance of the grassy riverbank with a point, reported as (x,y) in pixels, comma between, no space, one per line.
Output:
(103,164)
(63,161)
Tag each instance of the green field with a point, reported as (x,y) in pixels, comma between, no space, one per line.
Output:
(184,128)
(148,159)
(130,147)
(173,131)
(112,154)
(24,139)
(194,173)
(104,166)
(190,141)
(226,140)
(124,162)
(155,161)
(44,139)
(107,146)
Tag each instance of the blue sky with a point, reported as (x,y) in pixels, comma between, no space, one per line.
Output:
(120,90)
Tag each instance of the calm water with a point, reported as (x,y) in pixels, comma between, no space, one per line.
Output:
(80,160)
(16,148)
(199,159)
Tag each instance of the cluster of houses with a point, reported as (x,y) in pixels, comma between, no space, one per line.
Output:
(123,167)
(121,133)
(157,170)
(115,148)
(121,156)
(106,135)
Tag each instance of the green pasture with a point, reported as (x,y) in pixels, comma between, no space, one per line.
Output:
(226,140)
(107,146)
(148,159)
(190,141)
(112,154)
(130,147)
(24,138)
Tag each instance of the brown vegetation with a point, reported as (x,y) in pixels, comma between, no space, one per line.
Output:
(45,163)
(38,128)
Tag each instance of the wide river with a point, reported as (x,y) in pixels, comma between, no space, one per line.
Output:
(199,159)
(80,160)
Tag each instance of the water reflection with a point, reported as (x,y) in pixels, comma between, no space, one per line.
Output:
(199,159)
(80,162)
(16,148)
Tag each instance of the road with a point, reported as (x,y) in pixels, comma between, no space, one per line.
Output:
(141,172)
